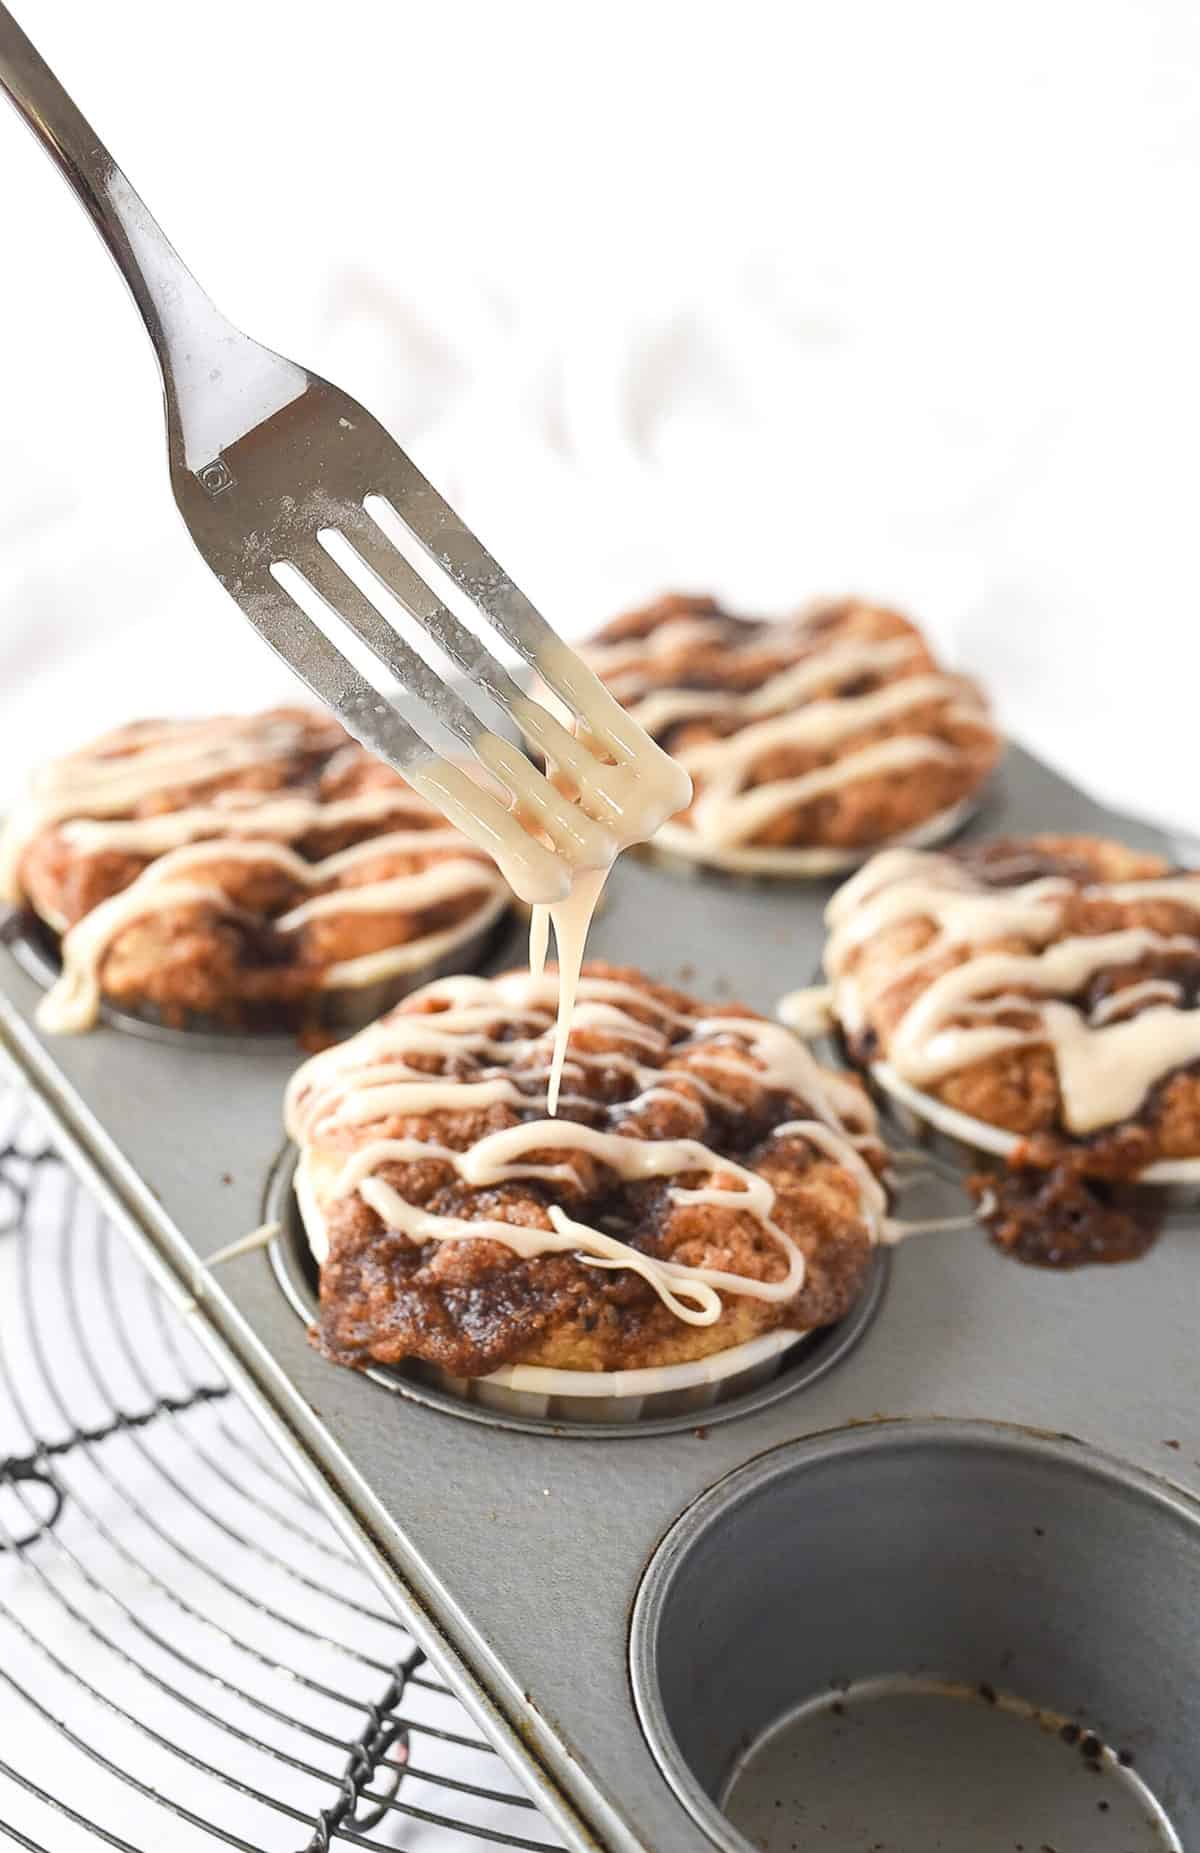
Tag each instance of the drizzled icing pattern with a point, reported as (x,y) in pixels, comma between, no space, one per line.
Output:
(159,793)
(1000,968)
(789,714)
(497,1035)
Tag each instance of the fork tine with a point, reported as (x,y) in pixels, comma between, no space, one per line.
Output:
(468,653)
(417,506)
(567,825)
(338,592)
(375,724)
(304,647)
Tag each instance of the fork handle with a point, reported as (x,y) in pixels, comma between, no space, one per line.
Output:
(217,382)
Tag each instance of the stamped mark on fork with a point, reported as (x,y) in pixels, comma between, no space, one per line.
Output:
(216,476)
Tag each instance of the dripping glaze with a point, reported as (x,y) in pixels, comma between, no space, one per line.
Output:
(620,775)
(372,1077)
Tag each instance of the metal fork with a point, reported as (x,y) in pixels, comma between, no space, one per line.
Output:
(270,464)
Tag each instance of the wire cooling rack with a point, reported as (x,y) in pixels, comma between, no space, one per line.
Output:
(189,1656)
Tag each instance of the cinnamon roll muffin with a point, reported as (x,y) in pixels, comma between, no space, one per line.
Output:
(1033,996)
(247,870)
(706,1193)
(810,742)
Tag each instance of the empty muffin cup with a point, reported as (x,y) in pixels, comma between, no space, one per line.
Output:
(927,1633)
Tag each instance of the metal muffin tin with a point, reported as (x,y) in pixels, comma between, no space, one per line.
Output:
(954,1551)
(517,1556)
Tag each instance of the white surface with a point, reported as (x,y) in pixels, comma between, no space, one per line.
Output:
(776,300)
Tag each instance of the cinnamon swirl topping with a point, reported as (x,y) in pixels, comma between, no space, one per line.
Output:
(237,868)
(808,741)
(704,1180)
(1049,987)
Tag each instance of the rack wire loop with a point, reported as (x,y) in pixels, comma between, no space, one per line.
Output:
(190,1655)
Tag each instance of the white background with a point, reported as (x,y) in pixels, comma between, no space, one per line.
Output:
(769,299)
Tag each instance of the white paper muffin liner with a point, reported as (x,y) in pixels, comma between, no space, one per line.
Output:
(963,1131)
(622,1395)
(582,1395)
(676,846)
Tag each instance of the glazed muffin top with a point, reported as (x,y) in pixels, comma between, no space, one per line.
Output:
(1045,985)
(704,1181)
(234,867)
(809,741)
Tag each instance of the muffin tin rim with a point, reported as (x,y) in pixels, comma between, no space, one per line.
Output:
(756,1475)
